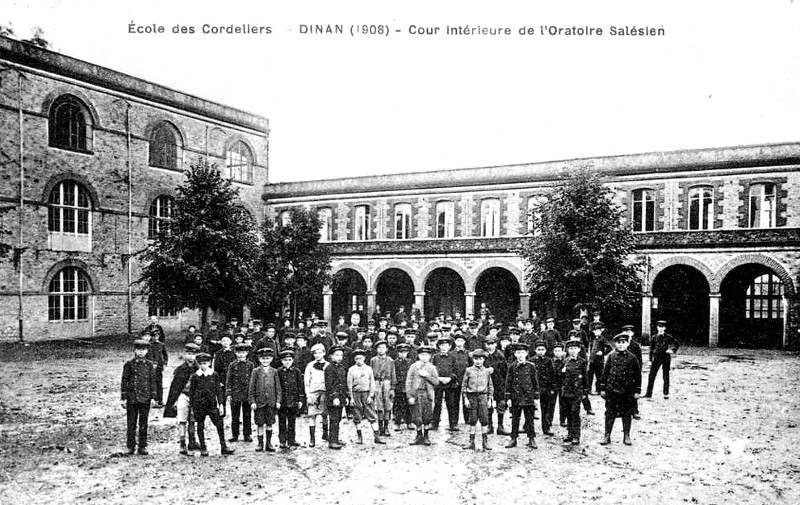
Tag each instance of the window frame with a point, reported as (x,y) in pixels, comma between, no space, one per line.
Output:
(448,228)
(361,223)
(763,199)
(168,153)
(704,220)
(490,206)
(157,218)
(647,207)
(760,305)
(237,152)
(61,301)
(60,213)
(402,221)
(325,216)
(79,135)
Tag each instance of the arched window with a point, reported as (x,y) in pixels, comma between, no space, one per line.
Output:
(644,210)
(701,208)
(160,214)
(165,147)
(762,205)
(490,217)
(239,163)
(445,219)
(764,298)
(325,217)
(69,209)
(402,221)
(70,124)
(361,229)
(68,295)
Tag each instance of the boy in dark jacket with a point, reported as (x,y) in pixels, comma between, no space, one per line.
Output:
(620,385)
(138,388)
(662,347)
(207,398)
(264,395)
(292,399)
(402,410)
(558,364)
(157,353)
(496,360)
(178,398)
(574,388)
(600,348)
(223,358)
(237,382)
(448,391)
(545,374)
(635,349)
(338,394)
(522,391)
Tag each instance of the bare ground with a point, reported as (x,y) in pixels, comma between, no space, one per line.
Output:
(728,433)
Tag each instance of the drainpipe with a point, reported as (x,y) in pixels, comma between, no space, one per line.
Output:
(21,207)
(130,212)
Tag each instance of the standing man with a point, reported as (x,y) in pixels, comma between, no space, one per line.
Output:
(662,348)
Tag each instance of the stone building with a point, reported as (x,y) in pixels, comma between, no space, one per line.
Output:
(90,160)
(721,228)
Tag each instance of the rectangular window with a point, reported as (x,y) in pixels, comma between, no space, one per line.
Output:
(325,225)
(762,207)
(361,225)
(533,216)
(644,210)
(701,208)
(402,221)
(445,220)
(490,217)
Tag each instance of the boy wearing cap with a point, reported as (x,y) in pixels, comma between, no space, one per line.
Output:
(237,383)
(347,351)
(662,348)
(224,357)
(635,349)
(573,389)
(178,398)
(264,395)
(545,374)
(600,348)
(138,388)
(338,395)
(292,399)
(558,363)
(446,366)
(420,382)
(463,361)
(385,382)
(207,398)
(478,394)
(496,361)
(157,353)
(362,388)
(620,385)
(401,408)
(522,391)
(550,335)
(316,399)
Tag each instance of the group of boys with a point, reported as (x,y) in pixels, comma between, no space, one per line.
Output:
(385,376)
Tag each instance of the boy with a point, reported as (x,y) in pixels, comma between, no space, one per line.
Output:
(316,398)
(573,389)
(292,399)
(522,391)
(550,335)
(478,394)
(558,362)
(207,398)
(391,340)
(445,365)
(385,382)
(545,374)
(347,352)
(620,385)
(402,410)
(302,354)
(361,387)
(224,357)
(366,344)
(178,398)
(420,381)
(157,354)
(496,361)
(463,361)
(635,349)
(338,394)
(237,383)
(264,395)
(662,347)
(600,348)
(138,387)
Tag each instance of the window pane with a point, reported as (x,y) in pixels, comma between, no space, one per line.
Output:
(68,215)
(83,221)
(651,215)
(69,307)
(68,280)
(53,219)
(83,306)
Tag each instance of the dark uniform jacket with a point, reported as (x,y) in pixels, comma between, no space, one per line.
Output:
(211,340)
(446,366)
(292,387)
(223,360)
(463,361)
(545,373)
(302,357)
(574,383)
(558,365)
(635,349)
(336,383)
(237,380)
(158,329)
(661,343)
(497,361)
(551,337)
(401,367)
(601,345)
(622,374)
(157,353)
(205,392)
(180,379)
(138,381)
(522,386)
(265,388)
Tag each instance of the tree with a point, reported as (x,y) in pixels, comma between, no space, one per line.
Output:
(206,256)
(293,265)
(582,252)
(37,38)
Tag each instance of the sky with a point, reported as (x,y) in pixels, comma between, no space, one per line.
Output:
(725,73)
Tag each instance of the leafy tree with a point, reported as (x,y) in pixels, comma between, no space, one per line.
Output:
(293,265)
(206,257)
(37,38)
(582,253)
(7,31)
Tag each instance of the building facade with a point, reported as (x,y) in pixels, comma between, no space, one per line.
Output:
(720,227)
(90,161)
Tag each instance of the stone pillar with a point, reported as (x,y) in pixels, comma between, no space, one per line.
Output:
(525,305)
(327,305)
(713,319)
(469,303)
(370,308)
(647,303)
(419,301)
(786,306)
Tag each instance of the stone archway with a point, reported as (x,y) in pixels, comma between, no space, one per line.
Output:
(444,292)
(683,292)
(499,289)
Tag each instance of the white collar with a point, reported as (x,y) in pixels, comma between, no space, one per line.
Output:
(207,373)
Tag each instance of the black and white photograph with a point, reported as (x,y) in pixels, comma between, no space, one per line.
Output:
(352,252)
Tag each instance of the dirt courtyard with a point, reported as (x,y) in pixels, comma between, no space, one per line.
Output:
(729,433)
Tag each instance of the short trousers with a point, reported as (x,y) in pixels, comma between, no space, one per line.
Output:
(184,409)
(317,403)
(265,415)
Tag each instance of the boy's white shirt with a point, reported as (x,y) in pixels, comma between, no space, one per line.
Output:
(208,372)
